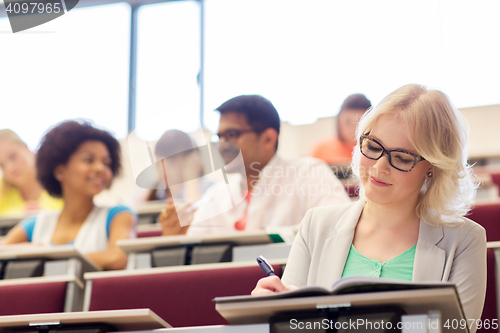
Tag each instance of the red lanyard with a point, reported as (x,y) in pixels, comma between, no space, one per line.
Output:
(242,224)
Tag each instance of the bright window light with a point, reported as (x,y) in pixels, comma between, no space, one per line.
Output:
(307,56)
(75,66)
(167,68)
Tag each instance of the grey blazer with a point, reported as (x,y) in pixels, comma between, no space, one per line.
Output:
(453,254)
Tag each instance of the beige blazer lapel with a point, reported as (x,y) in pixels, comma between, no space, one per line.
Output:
(429,258)
(338,246)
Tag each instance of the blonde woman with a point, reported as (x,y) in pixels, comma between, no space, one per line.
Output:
(19,188)
(409,223)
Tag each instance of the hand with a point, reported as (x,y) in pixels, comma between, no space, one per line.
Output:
(169,219)
(270,285)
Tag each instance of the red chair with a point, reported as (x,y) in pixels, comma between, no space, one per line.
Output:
(148,233)
(32,298)
(488,215)
(490,310)
(495,177)
(352,190)
(180,298)
(148,230)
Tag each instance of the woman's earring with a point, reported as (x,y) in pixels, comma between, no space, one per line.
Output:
(429,175)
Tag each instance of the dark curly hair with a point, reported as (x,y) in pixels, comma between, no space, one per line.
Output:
(59,143)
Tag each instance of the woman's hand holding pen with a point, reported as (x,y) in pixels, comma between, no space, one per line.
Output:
(270,285)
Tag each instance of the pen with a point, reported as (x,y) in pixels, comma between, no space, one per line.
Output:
(268,269)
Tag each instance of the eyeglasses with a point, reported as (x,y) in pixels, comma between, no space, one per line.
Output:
(231,135)
(398,159)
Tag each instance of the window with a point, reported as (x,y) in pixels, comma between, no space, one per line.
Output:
(167,68)
(307,56)
(73,67)
(470,52)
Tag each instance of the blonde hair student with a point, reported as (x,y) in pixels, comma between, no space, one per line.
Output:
(409,222)
(20,191)
(438,132)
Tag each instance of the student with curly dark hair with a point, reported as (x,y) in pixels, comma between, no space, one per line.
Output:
(76,161)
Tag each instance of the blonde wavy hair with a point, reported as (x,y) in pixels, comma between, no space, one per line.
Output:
(438,131)
(10,136)
(7,135)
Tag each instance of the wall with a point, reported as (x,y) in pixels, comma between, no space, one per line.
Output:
(484,122)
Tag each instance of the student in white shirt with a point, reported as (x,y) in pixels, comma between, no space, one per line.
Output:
(276,192)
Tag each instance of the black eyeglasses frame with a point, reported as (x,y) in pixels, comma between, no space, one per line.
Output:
(240,133)
(416,158)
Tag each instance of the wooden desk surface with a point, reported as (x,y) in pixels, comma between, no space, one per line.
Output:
(29,251)
(413,302)
(493,245)
(42,279)
(175,269)
(155,227)
(253,328)
(134,319)
(10,219)
(150,207)
(150,243)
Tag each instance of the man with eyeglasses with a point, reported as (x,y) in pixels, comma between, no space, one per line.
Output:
(276,193)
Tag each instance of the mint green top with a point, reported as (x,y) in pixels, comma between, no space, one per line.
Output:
(398,268)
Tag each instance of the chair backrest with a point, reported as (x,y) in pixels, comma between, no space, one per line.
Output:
(490,310)
(180,298)
(32,298)
(352,190)
(148,233)
(495,177)
(488,215)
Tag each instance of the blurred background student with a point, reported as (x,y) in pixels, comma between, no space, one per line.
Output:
(76,162)
(338,150)
(269,191)
(183,168)
(20,190)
